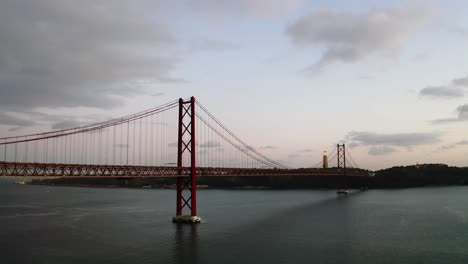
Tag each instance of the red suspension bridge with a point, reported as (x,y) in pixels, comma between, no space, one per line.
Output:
(171,140)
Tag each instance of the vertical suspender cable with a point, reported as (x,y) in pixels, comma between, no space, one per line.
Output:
(107,145)
(151,141)
(47,151)
(139,148)
(113,149)
(16,148)
(121,145)
(26,158)
(128,132)
(134,146)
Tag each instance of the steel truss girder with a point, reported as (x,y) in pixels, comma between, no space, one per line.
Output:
(20,169)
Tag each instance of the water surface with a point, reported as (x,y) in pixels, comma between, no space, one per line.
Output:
(42,224)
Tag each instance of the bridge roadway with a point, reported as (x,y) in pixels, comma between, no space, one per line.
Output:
(28,169)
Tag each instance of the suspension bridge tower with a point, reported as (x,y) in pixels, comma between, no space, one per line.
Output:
(186,186)
(341,164)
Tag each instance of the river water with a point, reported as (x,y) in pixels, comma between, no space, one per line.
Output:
(42,224)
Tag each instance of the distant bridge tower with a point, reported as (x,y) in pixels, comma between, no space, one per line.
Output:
(341,164)
(325,160)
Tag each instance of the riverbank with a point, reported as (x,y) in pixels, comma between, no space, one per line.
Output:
(396,177)
(238,182)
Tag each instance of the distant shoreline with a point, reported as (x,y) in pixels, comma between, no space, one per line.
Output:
(169,187)
(425,175)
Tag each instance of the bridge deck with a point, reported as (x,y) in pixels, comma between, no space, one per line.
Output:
(23,169)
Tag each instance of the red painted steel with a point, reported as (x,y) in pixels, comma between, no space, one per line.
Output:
(179,158)
(186,112)
(193,158)
(31,169)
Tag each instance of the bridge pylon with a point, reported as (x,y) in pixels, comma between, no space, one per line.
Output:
(186,186)
(341,164)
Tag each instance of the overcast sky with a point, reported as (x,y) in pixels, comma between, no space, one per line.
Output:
(292,78)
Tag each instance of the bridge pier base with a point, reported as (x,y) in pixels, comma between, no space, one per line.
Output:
(186,219)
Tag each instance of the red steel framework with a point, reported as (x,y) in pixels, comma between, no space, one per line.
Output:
(30,169)
(341,163)
(186,143)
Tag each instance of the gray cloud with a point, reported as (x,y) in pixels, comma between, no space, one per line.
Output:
(262,8)
(351,37)
(461,81)
(380,150)
(455,89)
(211,45)
(68,123)
(18,120)
(454,145)
(293,156)
(461,30)
(210,144)
(397,139)
(442,92)
(173,144)
(268,147)
(300,153)
(157,94)
(462,115)
(8,119)
(305,150)
(80,53)
(22,119)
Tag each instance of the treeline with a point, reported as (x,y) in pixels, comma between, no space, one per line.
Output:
(420,175)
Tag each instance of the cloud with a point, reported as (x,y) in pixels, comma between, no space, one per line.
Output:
(461,30)
(210,144)
(454,145)
(80,53)
(22,119)
(300,153)
(462,115)
(123,146)
(352,37)
(397,139)
(258,8)
(305,150)
(68,123)
(461,81)
(173,145)
(442,92)
(268,147)
(211,45)
(455,89)
(381,150)
(157,94)
(293,156)
(9,119)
